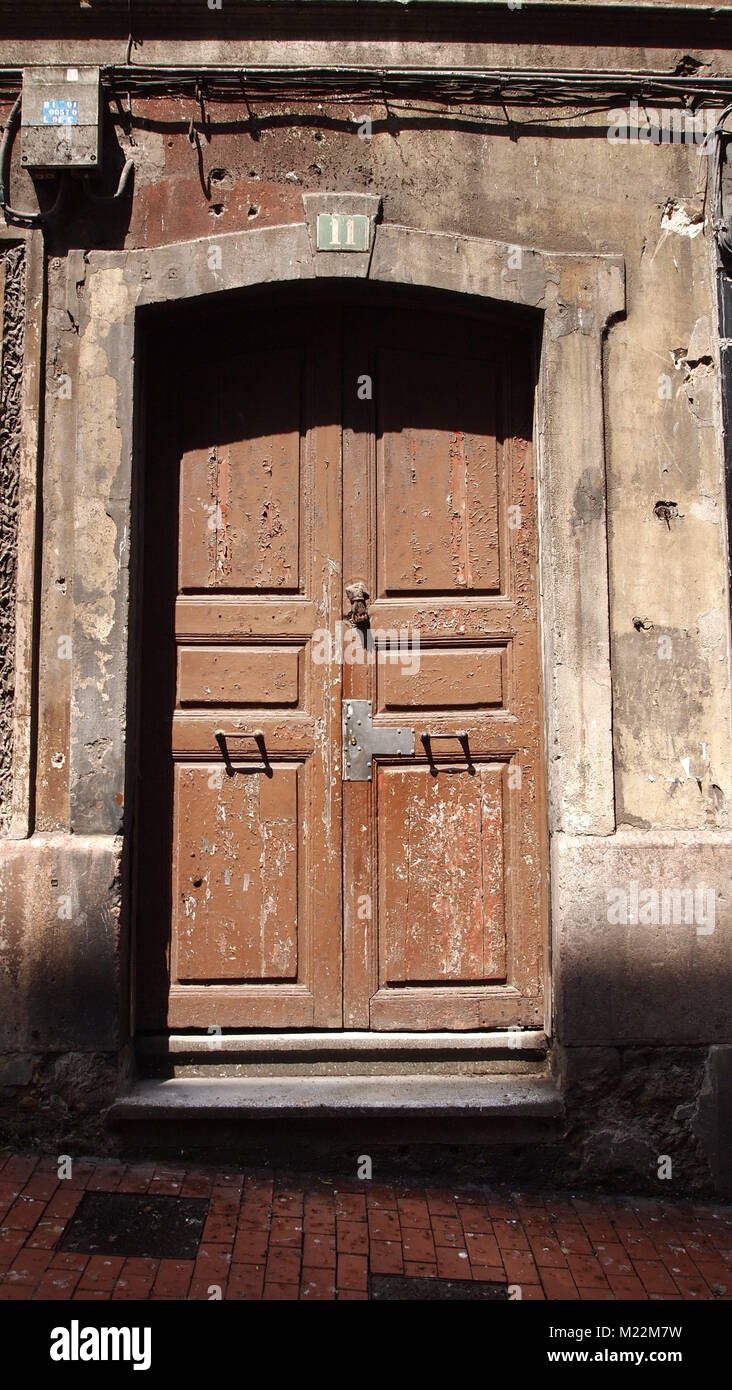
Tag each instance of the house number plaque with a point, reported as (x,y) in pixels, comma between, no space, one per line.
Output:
(343,231)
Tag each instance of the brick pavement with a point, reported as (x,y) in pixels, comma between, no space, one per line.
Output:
(281,1237)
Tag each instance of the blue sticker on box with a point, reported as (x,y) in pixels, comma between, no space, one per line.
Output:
(59,112)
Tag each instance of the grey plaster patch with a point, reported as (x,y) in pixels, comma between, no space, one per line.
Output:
(700,372)
(700,384)
(589,498)
(570,318)
(701,343)
(680,681)
(148,154)
(668,672)
(530,278)
(75,277)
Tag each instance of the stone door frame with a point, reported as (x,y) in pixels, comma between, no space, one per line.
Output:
(576,297)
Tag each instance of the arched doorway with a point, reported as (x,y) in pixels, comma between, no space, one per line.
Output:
(340,819)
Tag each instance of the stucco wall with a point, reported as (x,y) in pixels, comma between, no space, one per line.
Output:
(549,180)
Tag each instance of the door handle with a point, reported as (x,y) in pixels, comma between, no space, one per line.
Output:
(257,735)
(462,738)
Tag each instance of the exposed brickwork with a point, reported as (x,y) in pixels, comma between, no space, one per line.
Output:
(270,1237)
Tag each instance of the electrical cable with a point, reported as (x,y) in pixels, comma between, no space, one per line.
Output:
(31,219)
(108,198)
(517,86)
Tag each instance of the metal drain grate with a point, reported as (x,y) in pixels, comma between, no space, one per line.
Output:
(153,1228)
(394,1286)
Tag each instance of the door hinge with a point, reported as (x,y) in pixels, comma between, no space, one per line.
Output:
(362,742)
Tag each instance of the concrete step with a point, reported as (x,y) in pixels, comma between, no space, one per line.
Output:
(348,1053)
(512,1041)
(423,1096)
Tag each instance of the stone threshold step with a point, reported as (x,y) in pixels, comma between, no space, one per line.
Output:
(523,1042)
(420,1096)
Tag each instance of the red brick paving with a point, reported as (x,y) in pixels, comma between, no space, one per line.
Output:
(265,1238)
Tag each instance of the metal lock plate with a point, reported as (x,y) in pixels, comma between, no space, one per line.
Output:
(362,742)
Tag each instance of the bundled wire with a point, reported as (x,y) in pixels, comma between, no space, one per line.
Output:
(464,86)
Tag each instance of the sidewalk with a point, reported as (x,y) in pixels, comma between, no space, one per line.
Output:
(255,1237)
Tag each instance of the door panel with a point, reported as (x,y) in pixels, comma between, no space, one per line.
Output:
(236,857)
(238,675)
(241,484)
(436,479)
(445,679)
(441,884)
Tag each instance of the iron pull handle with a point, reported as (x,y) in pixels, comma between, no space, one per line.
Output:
(459,734)
(257,735)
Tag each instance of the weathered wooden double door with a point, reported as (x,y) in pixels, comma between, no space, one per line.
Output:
(340,815)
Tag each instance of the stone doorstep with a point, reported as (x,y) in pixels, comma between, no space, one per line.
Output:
(500,1097)
(517,1043)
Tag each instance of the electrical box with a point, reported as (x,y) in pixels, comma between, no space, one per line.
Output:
(61,123)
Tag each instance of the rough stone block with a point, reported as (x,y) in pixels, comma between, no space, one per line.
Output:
(642,979)
(60,958)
